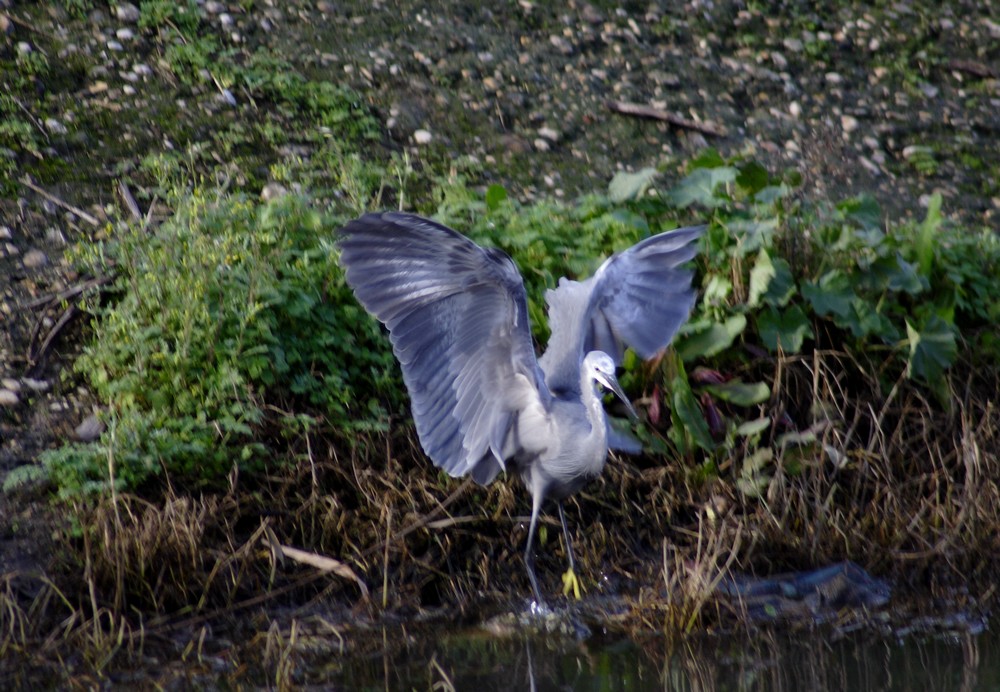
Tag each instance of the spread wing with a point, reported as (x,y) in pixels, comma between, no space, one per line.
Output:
(458,321)
(637,298)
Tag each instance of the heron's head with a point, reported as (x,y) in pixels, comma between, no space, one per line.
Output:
(601,368)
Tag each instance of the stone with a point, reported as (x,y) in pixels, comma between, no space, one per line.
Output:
(34,258)
(422,137)
(9,398)
(89,429)
(127,12)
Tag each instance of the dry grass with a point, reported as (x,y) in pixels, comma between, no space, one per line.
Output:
(893,483)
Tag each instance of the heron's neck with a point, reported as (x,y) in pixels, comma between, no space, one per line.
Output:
(594,405)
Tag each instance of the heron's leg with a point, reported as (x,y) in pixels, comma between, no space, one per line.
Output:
(529,553)
(570,582)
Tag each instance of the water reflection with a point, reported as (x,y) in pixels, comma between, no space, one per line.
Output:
(813,660)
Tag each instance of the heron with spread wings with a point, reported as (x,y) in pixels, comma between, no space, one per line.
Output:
(482,403)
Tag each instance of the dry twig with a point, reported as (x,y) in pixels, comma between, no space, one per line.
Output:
(641,111)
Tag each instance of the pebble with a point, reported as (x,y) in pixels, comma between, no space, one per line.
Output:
(124,34)
(11,384)
(273,191)
(55,127)
(795,109)
(36,385)
(849,123)
(548,133)
(5,233)
(23,47)
(8,398)
(793,45)
(89,429)
(834,77)
(422,137)
(127,12)
(34,258)
(115,46)
(541,144)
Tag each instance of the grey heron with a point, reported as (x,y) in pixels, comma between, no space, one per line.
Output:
(457,317)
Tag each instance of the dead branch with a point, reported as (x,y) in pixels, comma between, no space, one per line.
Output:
(638,110)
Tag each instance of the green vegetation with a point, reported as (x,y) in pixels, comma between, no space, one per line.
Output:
(230,308)
(233,307)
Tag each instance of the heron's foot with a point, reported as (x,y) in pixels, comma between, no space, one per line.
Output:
(571,584)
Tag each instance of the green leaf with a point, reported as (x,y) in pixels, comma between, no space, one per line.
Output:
(760,278)
(782,286)
(628,186)
(495,196)
(749,428)
(717,337)
(864,210)
(752,178)
(788,328)
(864,319)
(927,238)
(771,194)
(831,295)
(932,350)
(739,393)
(687,418)
(699,187)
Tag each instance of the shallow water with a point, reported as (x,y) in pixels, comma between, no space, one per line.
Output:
(965,657)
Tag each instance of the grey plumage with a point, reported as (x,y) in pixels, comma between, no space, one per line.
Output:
(458,322)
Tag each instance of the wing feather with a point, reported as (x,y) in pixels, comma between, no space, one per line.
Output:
(458,322)
(637,298)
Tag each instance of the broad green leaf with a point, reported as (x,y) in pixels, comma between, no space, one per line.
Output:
(782,286)
(708,158)
(760,278)
(717,289)
(627,186)
(864,319)
(699,187)
(752,178)
(831,295)
(739,393)
(771,194)
(716,338)
(932,350)
(752,234)
(788,328)
(495,195)
(687,417)
(863,209)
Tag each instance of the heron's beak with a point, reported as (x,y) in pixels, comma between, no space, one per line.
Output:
(611,382)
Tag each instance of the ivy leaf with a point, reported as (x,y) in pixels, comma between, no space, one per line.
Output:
(932,350)
(627,186)
(788,329)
